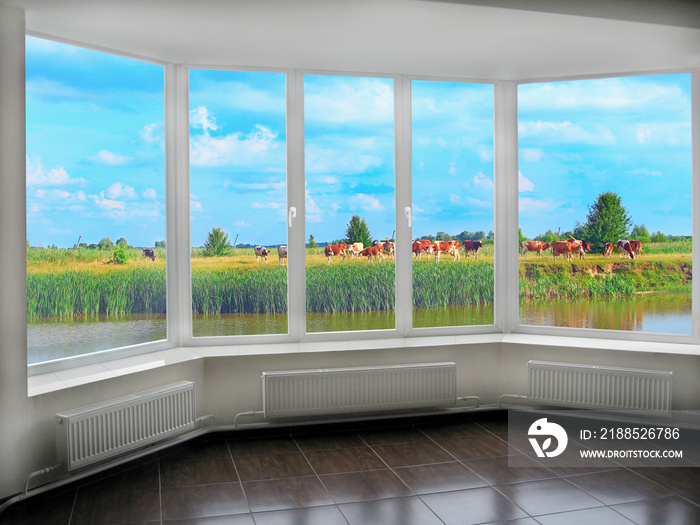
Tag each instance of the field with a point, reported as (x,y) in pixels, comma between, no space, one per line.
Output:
(84,282)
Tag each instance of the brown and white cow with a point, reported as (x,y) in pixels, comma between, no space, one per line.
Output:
(335,249)
(607,249)
(566,248)
(472,247)
(625,249)
(282,252)
(261,253)
(389,248)
(421,246)
(147,253)
(533,246)
(373,251)
(451,247)
(356,248)
(636,247)
(585,247)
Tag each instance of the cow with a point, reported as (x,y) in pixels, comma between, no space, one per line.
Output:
(585,247)
(472,247)
(356,248)
(533,246)
(607,249)
(636,247)
(261,253)
(389,248)
(335,249)
(624,248)
(566,248)
(421,246)
(282,252)
(376,250)
(148,253)
(451,247)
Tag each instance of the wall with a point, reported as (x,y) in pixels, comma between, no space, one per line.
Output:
(227,385)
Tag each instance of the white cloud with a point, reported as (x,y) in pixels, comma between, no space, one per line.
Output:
(235,149)
(485,153)
(266,205)
(36,176)
(116,190)
(241,224)
(454,199)
(531,154)
(106,203)
(643,133)
(329,179)
(270,186)
(366,202)
(526,204)
(152,133)
(201,119)
(644,171)
(565,132)
(347,158)
(453,169)
(482,180)
(195,205)
(524,184)
(108,158)
(149,193)
(367,100)
(478,203)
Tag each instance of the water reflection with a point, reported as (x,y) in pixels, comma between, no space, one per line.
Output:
(660,313)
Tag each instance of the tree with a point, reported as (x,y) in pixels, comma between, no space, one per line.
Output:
(105,243)
(160,244)
(607,221)
(122,242)
(358,232)
(312,242)
(120,254)
(640,233)
(658,237)
(217,243)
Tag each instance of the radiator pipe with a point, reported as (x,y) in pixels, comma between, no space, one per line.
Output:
(39,473)
(510,396)
(250,413)
(204,418)
(467,398)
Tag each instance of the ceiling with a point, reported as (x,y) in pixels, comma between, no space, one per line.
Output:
(474,39)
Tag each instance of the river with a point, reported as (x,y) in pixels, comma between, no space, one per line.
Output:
(56,338)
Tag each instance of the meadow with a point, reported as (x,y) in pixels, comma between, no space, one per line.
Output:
(84,282)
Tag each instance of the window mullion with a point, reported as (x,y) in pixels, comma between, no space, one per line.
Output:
(402,124)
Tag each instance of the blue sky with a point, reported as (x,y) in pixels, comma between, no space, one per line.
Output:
(95,164)
(631,136)
(95,161)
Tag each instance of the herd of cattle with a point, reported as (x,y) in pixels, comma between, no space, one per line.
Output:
(568,249)
(381,249)
(571,247)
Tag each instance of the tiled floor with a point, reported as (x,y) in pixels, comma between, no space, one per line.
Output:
(425,471)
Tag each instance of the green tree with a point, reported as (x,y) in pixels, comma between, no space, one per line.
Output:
(217,244)
(312,242)
(160,244)
(641,233)
(607,221)
(105,243)
(122,242)
(658,237)
(120,255)
(358,231)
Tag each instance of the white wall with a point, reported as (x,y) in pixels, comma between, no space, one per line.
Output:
(225,386)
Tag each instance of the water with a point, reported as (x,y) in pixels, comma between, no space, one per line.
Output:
(660,313)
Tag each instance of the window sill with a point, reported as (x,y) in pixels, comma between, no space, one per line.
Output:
(82,375)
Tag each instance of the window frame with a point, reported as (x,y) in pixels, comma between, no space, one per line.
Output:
(506,326)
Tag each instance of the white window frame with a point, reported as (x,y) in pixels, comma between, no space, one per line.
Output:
(506,326)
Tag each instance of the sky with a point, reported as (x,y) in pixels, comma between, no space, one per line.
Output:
(95,162)
(630,136)
(95,152)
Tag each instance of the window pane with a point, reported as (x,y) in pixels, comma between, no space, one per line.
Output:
(349,149)
(95,201)
(606,162)
(453,204)
(238,184)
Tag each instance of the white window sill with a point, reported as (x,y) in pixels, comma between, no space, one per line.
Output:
(82,375)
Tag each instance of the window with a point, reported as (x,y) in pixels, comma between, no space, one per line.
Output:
(95,201)
(453,203)
(606,162)
(350,203)
(238,184)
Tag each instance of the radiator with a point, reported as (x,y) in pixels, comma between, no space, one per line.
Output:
(98,432)
(295,393)
(599,387)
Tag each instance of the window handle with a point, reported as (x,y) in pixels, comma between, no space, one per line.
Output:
(408,212)
(292,215)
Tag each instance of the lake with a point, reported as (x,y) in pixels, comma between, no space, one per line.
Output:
(662,313)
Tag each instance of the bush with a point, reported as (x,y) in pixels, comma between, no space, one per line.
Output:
(120,254)
(217,244)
